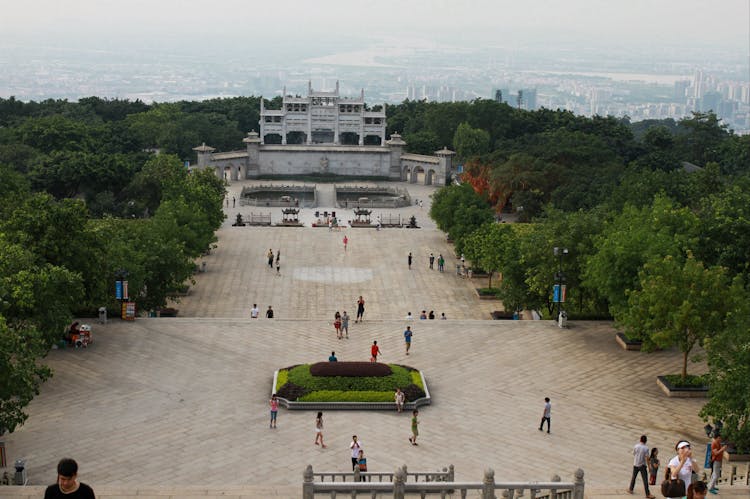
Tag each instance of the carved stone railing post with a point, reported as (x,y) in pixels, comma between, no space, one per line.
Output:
(553,492)
(451,474)
(356,474)
(399,483)
(488,484)
(307,483)
(579,483)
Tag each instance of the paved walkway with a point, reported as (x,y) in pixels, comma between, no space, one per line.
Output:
(178,407)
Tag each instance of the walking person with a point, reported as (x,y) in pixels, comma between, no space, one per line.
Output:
(346,241)
(441,263)
(270,258)
(356,448)
(274,404)
(408,259)
(432,261)
(254,312)
(319,430)
(374,351)
(717,454)
(337,324)
(67,483)
(399,397)
(653,466)
(414,427)
(345,324)
(362,465)
(546,414)
(407,338)
(269,313)
(640,465)
(233,202)
(278,267)
(360,310)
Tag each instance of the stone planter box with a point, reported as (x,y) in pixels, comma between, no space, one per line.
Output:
(485,297)
(502,315)
(681,391)
(366,406)
(626,343)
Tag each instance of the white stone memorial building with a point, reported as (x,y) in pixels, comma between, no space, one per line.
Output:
(325,133)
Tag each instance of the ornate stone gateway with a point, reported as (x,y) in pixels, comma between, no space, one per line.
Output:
(325,134)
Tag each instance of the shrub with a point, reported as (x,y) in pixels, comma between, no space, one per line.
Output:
(354,369)
(290,391)
(342,396)
(691,381)
(298,383)
(282,378)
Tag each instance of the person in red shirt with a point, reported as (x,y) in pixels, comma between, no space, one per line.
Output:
(374,351)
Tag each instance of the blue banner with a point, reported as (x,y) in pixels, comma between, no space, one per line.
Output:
(118,290)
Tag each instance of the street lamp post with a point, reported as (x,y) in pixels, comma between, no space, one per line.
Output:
(560,279)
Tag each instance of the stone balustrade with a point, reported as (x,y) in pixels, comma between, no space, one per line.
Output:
(399,485)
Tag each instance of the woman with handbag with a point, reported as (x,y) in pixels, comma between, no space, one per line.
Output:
(681,469)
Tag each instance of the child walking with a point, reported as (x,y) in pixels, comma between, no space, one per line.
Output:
(362,465)
(414,427)
(274,403)
(653,466)
(319,430)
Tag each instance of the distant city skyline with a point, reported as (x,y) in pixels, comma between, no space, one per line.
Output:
(641,58)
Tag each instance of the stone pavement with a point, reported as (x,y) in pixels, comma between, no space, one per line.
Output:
(178,406)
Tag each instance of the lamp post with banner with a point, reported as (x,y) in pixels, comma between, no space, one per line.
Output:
(559,291)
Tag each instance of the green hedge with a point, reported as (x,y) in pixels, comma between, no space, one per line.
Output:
(341,396)
(296,383)
(692,380)
(301,376)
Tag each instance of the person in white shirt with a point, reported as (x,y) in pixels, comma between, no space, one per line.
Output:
(683,465)
(355,446)
(254,311)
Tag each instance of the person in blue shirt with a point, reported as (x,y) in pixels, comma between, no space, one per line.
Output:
(407,338)
(333,358)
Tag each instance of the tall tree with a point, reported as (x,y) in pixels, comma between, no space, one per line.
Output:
(679,303)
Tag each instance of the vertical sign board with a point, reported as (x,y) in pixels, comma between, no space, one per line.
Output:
(125,294)
(128,311)
(118,290)
(559,293)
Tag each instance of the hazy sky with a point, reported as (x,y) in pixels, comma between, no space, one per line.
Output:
(689,22)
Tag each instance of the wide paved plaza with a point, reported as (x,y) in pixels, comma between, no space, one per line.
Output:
(180,405)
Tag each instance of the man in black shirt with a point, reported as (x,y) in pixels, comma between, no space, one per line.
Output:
(67,485)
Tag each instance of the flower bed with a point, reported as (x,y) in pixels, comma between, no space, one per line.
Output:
(349,385)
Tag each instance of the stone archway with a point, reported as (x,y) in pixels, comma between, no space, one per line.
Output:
(429,177)
(406,174)
(417,173)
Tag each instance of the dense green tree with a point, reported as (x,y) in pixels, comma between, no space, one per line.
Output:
(728,354)
(20,373)
(679,302)
(469,142)
(422,142)
(458,210)
(699,138)
(632,238)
